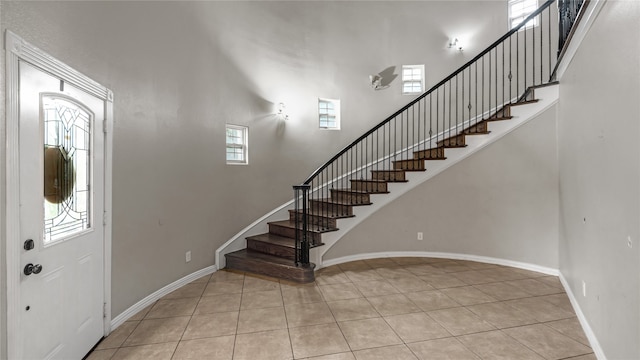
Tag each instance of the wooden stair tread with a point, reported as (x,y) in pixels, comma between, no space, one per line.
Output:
(372,180)
(262,256)
(278,240)
(339,202)
(364,192)
(411,164)
(525,102)
(274,239)
(261,263)
(476,132)
(434,153)
(390,171)
(291,224)
(391,175)
(349,190)
(325,214)
(498,118)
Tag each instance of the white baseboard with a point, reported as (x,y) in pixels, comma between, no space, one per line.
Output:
(454,256)
(591,336)
(140,305)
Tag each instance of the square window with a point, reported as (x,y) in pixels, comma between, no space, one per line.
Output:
(412,79)
(237,145)
(329,114)
(519,10)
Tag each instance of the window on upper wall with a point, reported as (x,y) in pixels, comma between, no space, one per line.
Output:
(329,114)
(237,145)
(412,79)
(519,10)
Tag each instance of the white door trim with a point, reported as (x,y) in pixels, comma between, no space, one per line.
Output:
(18,49)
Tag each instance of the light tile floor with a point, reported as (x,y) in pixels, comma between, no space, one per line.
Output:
(391,308)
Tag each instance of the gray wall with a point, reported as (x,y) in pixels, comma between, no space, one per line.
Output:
(501,202)
(180,70)
(599,137)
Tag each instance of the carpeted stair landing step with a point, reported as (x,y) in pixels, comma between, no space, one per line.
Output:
(265,264)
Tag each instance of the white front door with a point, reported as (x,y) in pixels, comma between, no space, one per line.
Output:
(61,180)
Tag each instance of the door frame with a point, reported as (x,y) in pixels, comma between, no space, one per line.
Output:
(17,49)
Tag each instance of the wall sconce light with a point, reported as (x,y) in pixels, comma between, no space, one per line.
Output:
(281,114)
(455,44)
(376,81)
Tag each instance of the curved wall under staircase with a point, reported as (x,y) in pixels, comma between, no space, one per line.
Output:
(499,203)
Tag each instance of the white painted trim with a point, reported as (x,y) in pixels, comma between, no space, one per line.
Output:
(591,336)
(108,208)
(140,305)
(17,49)
(581,31)
(455,256)
(12,205)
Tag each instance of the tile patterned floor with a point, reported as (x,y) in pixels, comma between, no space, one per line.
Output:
(391,308)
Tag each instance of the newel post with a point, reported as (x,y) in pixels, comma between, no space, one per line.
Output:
(301,194)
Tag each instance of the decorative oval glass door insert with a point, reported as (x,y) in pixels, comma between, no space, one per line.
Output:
(67,168)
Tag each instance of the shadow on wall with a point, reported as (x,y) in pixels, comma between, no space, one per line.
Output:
(384,78)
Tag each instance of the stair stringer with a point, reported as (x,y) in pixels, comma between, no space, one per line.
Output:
(522,114)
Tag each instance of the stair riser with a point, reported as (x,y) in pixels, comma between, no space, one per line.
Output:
(456,141)
(409,165)
(315,220)
(372,187)
(272,249)
(479,128)
(429,154)
(344,210)
(505,112)
(314,238)
(389,176)
(301,275)
(353,198)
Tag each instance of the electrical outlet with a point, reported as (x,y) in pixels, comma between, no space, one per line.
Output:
(629,242)
(584,288)
(420,237)
(187,256)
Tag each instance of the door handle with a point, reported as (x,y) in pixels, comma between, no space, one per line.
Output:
(32,269)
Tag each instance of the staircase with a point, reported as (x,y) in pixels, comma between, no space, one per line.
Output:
(463,105)
(274,253)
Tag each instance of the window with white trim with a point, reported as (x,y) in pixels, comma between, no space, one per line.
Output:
(412,79)
(519,10)
(237,145)
(329,114)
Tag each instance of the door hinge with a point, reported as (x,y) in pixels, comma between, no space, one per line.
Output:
(104,310)
(104,218)
(104,126)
